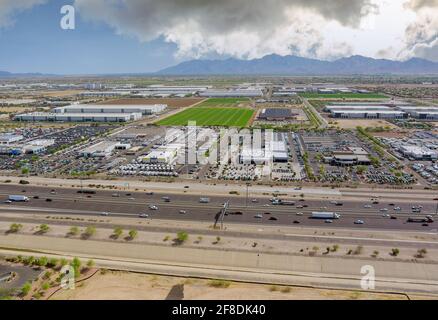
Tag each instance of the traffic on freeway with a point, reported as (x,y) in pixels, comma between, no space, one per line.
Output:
(372,213)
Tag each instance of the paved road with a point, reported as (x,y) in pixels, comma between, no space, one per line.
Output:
(132,204)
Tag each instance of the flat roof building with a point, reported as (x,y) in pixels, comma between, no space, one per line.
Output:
(9,138)
(418,153)
(160,156)
(368,114)
(277,114)
(232,93)
(79,117)
(101,149)
(97,108)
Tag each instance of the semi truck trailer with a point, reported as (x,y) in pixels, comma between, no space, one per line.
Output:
(325,215)
(18,198)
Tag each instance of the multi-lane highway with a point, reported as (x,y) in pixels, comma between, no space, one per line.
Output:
(241,210)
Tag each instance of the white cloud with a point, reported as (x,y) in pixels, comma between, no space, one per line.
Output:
(421,36)
(239,28)
(10,7)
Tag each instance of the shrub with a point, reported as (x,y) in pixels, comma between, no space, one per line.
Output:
(395,252)
(15,227)
(219,283)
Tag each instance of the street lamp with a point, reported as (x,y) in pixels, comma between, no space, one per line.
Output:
(247,193)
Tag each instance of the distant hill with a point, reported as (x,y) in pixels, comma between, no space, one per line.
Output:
(292,65)
(5,74)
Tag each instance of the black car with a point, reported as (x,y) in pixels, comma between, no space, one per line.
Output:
(273,219)
(296,222)
(49,200)
(36,197)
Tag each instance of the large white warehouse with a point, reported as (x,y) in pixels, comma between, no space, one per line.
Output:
(368,114)
(79,117)
(97,108)
(232,93)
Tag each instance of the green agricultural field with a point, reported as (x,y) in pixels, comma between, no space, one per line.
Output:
(224,102)
(310,95)
(213,116)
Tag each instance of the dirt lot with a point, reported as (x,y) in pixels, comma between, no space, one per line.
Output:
(171,103)
(63,93)
(114,285)
(353,123)
(15,109)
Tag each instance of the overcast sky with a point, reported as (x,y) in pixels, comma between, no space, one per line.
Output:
(120,36)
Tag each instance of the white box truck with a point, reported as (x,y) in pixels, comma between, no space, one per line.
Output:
(18,198)
(325,215)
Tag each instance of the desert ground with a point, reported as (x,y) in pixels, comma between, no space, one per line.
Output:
(115,285)
(353,123)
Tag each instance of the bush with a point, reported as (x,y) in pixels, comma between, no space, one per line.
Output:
(44,228)
(219,283)
(42,262)
(45,286)
(25,289)
(24,182)
(182,237)
(74,231)
(117,232)
(53,262)
(132,234)
(421,253)
(76,264)
(15,227)
(90,231)
(395,252)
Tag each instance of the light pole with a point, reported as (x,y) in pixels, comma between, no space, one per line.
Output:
(247,194)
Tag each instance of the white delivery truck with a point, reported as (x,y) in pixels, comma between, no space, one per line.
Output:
(325,215)
(18,198)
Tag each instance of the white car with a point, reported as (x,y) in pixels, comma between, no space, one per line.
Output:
(254,200)
(300,206)
(328,221)
(367,206)
(144,215)
(397,208)
(131,198)
(359,222)
(152,207)
(104,214)
(7,201)
(385,215)
(299,213)
(384,209)
(182,211)
(258,216)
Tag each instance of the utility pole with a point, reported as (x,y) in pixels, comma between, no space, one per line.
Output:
(247,194)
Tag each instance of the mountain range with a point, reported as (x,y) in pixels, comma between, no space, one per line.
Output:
(293,65)
(5,74)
